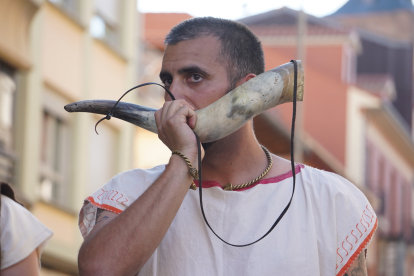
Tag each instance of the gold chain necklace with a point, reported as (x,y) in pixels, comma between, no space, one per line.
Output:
(231,187)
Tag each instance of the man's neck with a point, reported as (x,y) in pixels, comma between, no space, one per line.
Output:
(237,158)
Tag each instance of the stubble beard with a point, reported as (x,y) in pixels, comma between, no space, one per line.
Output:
(207,146)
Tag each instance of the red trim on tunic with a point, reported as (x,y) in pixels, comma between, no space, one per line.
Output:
(271,180)
(358,251)
(104,206)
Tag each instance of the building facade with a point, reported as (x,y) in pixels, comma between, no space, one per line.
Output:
(54,52)
(355,119)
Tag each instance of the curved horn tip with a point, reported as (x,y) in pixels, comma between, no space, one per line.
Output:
(70,107)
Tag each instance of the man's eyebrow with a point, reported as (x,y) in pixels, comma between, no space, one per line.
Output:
(164,74)
(184,70)
(193,69)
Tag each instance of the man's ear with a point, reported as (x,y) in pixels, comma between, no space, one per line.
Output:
(245,78)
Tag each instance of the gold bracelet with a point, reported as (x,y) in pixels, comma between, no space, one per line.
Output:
(192,171)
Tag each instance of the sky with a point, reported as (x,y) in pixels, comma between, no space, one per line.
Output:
(235,9)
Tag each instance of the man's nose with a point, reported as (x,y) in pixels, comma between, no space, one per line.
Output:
(178,89)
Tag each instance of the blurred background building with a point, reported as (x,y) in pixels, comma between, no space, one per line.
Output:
(54,52)
(356,114)
(356,119)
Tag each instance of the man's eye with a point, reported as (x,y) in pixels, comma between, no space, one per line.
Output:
(167,82)
(196,78)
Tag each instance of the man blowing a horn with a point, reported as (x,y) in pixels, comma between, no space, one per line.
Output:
(148,222)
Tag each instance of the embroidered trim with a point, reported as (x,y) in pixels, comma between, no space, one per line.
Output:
(358,251)
(104,206)
(91,218)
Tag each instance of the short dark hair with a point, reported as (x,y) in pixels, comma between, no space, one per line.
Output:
(240,48)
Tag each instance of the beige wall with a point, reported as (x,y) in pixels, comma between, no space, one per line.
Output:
(15,20)
(357,100)
(62,53)
(108,79)
(66,239)
(58,62)
(149,150)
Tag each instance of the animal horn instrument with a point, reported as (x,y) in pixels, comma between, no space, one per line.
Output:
(222,117)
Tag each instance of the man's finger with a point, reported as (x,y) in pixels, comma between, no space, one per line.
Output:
(192,120)
(164,111)
(173,108)
(189,114)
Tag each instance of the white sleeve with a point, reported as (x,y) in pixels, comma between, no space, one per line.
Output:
(21,233)
(356,222)
(116,195)
(344,217)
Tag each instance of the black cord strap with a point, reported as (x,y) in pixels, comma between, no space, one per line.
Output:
(109,116)
(295,84)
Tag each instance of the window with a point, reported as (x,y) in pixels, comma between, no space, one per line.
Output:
(7,91)
(55,154)
(71,7)
(101,30)
(105,23)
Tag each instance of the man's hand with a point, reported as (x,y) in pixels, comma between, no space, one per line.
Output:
(140,228)
(175,121)
(358,268)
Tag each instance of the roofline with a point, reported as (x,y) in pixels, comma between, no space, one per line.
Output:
(391,91)
(400,122)
(267,14)
(338,12)
(327,22)
(311,40)
(273,40)
(383,40)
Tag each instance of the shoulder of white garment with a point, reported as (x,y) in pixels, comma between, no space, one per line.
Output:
(124,188)
(328,185)
(135,182)
(343,217)
(144,175)
(117,195)
(21,233)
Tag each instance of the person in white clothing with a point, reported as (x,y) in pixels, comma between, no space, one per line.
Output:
(23,238)
(148,222)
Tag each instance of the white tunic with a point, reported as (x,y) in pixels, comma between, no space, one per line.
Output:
(21,233)
(327,226)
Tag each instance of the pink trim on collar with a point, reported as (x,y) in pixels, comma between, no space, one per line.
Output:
(271,180)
